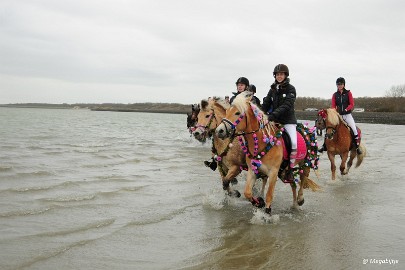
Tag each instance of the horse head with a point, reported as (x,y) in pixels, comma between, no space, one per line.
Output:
(192,117)
(320,123)
(332,120)
(209,117)
(235,121)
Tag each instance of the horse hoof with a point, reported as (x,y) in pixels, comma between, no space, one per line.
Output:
(268,210)
(259,202)
(300,203)
(234,181)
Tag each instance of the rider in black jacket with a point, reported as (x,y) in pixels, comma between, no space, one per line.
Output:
(279,105)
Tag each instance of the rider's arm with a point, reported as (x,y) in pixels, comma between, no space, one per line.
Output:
(333,101)
(351,102)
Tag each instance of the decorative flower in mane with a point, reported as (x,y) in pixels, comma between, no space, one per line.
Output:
(323,114)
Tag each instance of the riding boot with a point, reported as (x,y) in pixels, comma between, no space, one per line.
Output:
(211,164)
(323,148)
(289,175)
(357,141)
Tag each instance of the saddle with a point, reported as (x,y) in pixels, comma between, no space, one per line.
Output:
(286,143)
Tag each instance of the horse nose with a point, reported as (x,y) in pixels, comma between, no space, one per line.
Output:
(196,133)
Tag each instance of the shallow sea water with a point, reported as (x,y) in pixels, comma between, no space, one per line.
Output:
(106,190)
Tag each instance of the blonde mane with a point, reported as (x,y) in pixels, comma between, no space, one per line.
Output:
(241,101)
(333,116)
(219,101)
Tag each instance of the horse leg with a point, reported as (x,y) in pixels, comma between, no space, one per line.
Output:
(250,182)
(264,182)
(303,178)
(231,174)
(270,192)
(294,192)
(353,154)
(342,167)
(332,165)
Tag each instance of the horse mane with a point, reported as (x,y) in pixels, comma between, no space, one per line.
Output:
(215,101)
(218,101)
(333,116)
(241,101)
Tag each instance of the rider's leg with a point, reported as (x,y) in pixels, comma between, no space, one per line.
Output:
(291,129)
(350,121)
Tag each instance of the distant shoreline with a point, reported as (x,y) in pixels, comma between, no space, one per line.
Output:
(390,118)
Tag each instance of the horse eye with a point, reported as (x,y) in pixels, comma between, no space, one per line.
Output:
(237,113)
(207,116)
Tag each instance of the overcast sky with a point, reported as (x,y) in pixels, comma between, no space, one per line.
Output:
(184,50)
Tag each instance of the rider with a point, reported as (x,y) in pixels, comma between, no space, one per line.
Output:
(279,104)
(343,102)
(242,84)
(255,100)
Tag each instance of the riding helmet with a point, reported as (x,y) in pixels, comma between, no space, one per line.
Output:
(281,68)
(243,80)
(340,80)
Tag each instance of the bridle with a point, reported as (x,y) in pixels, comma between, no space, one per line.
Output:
(329,136)
(233,125)
(206,127)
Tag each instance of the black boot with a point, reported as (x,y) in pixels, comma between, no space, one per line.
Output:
(211,164)
(289,176)
(323,148)
(357,142)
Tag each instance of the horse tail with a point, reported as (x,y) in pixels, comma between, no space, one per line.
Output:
(361,157)
(308,183)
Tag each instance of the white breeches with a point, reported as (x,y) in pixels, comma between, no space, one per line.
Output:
(292,131)
(350,121)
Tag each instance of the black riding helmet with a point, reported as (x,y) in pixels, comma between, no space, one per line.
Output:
(281,68)
(340,80)
(243,80)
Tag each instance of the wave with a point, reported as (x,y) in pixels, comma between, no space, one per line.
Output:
(71,198)
(5,168)
(25,212)
(89,226)
(161,217)
(34,173)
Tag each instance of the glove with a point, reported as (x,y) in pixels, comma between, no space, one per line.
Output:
(270,117)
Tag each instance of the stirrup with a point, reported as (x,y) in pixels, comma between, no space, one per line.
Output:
(358,151)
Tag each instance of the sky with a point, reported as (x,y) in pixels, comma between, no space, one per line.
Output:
(181,51)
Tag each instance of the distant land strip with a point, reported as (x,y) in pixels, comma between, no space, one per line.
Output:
(392,118)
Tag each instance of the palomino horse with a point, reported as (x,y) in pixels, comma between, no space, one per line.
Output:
(228,155)
(261,142)
(338,140)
